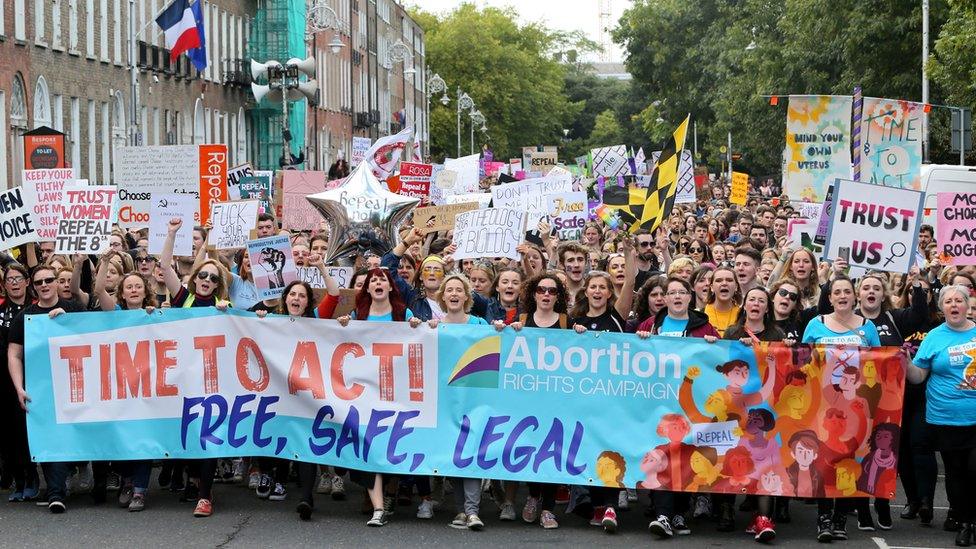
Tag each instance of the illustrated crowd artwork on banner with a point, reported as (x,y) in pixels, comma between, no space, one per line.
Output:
(818,145)
(892,131)
(459,400)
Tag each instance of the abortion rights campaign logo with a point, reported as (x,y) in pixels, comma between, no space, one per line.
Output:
(479,365)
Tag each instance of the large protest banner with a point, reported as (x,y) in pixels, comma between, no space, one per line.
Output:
(818,145)
(466,401)
(892,151)
(878,229)
(43,191)
(955,227)
(493,232)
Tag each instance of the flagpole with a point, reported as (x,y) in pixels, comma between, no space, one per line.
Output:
(133,77)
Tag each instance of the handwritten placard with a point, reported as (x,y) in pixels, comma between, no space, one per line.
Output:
(232,223)
(740,188)
(142,171)
(955,227)
(342,276)
(17,222)
(298,214)
(43,191)
(568,213)
(86,222)
(493,232)
(440,218)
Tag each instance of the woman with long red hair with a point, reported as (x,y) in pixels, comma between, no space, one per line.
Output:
(378,300)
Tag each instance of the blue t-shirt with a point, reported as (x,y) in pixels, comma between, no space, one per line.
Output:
(863,336)
(476,320)
(673,327)
(388,317)
(950,357)
(242,293)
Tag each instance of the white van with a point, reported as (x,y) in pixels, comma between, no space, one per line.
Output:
(941,178)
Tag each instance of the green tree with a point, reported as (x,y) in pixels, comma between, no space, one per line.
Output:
(508,70)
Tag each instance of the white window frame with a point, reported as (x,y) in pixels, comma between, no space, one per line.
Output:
(106,145)
(3,136)
(39,22)
(42,103)
(57,111)
(199,124)
(241,136)
(92,144)
(117,31)
(156,126)
(73,26)
(75,136)
(90,29)
(20,19)
(56,42)
(103,30)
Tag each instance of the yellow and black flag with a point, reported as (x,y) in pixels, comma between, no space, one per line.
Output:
(664,182)
(627,201)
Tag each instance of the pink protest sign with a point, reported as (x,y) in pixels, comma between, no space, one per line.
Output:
(955,227)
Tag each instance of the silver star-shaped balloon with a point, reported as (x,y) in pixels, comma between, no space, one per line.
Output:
(362,214)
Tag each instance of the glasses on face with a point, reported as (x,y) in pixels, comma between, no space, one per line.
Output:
(147,259)
(695,250)
(677,293)
(543,290)
(215,278)
(16,280)
(645,244)
(787,294)
(115,245)
(44,281)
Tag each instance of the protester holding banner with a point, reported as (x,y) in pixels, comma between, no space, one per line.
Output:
(945,360)
(43,279)
(13,430)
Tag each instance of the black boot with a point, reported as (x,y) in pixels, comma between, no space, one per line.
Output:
(825,531)
(910,511)
(965,536)
(925,512)
(782,511)
(951,524)
(726,517)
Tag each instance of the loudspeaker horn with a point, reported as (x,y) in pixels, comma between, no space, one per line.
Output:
(261,91)
(260,70)
(305,66)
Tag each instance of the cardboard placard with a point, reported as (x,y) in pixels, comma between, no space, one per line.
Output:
(740,188)
(494,232)
(43,192)
(17,221)
(955,227)
(232,224)
(440,218)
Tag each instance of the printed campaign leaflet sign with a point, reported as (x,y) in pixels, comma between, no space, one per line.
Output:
(955,227)
(86,220)
(685,193)
(609,161)
(467,170)
(142,171)
(456,401)
(234,176)
(232,224)
(891,154)
(809,210)
(257,187)
(415,179)
(493,232)
(17,221)
(342,276)
(877,226)
(213,178)
(818,145)
(43,191)
(360,145)
(530,195)
(441,218)
(272,265)
(298,214)
(568,213)
(166,206)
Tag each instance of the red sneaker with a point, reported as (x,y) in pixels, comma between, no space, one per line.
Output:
(609,521)
(597,519)
(764,528)
(562,495)
(204,508)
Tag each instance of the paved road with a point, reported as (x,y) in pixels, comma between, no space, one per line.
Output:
(241,520)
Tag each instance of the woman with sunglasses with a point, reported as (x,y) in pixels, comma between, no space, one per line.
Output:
(700,252)
(206,287)
(787,313)
(754,323)
(44,289)
(677,319)
(544,300)
(379,300)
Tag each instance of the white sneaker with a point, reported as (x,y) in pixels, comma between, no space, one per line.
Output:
(531,510)
(378,519)
(622,502)
(631,495)
(508,512)
(253,479)
(338,488)
(426,509)
(325,484)
(460,521)
(239,470)
(474,523)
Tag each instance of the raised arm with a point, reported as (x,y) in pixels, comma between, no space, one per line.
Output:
(626,299)
(79,263)
(170,278)
(105,300)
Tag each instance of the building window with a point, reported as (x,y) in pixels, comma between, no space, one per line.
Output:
(73,25)
(241,137)
(92,170)
(106,149)
(56,24)
(117,31)
(20,19)
(144,124)
(75,136)
(156,126)
(119,121)
(3,136)
(58,112)
(103,29)
(42,104)
(18,103)
(90,28)
(199,124)
(39,21)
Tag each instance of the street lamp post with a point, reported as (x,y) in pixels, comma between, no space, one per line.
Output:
(321,17)
(464,103)
(434,84)
(476,118)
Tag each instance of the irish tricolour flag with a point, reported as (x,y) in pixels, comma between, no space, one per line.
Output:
(180,28)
